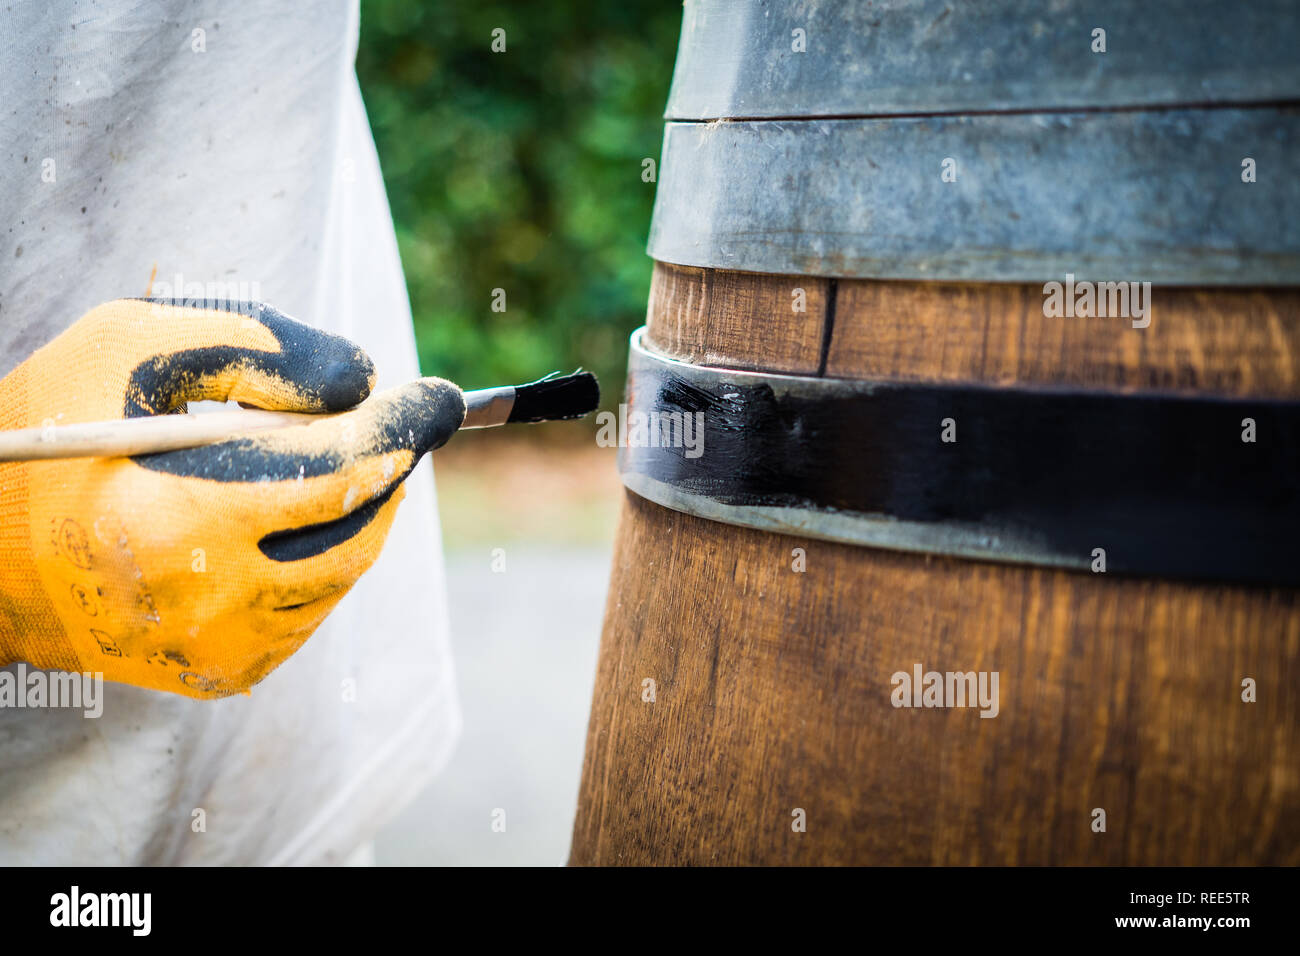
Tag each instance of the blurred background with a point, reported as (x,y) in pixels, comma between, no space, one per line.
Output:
(520,171)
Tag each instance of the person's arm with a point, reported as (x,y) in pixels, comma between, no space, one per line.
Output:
(199,571)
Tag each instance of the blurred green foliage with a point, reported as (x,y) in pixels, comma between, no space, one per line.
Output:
(522,171)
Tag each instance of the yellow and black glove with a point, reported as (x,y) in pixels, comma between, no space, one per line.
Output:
(199,571)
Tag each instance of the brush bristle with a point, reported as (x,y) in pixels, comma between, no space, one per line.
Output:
(555,398)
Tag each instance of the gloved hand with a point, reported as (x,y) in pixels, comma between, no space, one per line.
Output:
(199,571)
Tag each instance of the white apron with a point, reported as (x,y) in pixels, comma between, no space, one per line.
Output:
(248,162)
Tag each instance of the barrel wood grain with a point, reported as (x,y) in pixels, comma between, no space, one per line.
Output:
(772,686)
(1205,341)
(706,318)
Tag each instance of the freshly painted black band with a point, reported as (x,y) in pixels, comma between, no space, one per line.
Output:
(1164,484)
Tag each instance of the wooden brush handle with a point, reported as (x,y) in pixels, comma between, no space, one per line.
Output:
(140,436)
(484,408)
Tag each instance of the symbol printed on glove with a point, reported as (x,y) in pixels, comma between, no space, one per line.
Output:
(72,543)
(107,645)
(164,658)
(84,600)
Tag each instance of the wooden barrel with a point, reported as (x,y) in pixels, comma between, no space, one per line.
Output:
(780,599)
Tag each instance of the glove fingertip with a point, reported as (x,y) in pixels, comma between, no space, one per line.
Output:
(346,382)
(444,409)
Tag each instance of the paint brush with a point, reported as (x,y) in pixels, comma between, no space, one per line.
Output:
(553,398)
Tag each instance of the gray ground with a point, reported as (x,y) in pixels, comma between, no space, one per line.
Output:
(525,643)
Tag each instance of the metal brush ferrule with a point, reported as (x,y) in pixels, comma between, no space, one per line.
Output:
(486,407)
